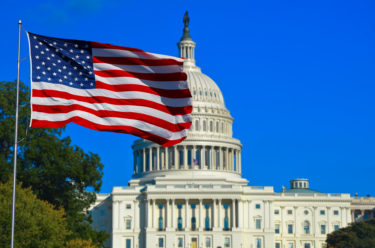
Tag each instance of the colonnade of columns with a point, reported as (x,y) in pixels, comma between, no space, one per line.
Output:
(187,157)
(362,214)
(194,214)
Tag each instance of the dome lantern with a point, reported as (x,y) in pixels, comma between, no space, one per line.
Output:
(186,45)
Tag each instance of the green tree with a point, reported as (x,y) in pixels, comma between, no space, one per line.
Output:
(38,224)
(56,170)
(358,235)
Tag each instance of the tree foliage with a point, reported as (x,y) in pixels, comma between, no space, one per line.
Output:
(358,235)
(56,170)
(38,224)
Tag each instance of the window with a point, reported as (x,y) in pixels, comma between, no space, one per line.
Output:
(180,242)
(336,212)
(306,212)
(257,206)
(290,245)
(226,220)
(259,243)
(307,245)
(160,223)
(336,227)
(277,211)
(306,227)
(208,242)
(193,223)
(227,242)
(322,212)
(258,223)
(179,223)
(277,245)
(290,228)
(161,242)
(277,228)
(193,219)
(128,224)
(160,220)
(290,211)
(179,218)
(322,229)
(128,243)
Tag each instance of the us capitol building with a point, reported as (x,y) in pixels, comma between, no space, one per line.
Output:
(193,194)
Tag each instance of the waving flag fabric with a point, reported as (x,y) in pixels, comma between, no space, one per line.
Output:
(108,88)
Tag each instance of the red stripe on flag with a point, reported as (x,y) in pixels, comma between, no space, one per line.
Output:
(102,99)
(183,93)
(108,46)
(56,109)
(177,76)
(135,61)
(109,128)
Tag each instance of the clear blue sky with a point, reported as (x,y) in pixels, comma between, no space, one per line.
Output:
(297,76)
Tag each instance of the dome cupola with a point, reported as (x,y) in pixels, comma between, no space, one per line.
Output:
(209,148)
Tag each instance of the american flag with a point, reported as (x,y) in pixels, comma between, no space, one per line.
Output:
(108,88)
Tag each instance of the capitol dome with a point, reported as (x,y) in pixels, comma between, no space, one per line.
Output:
(209,149)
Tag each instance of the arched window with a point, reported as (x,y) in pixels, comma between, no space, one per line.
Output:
(211,127)
(197,125)
(217,126)
(204,126)
(306,227)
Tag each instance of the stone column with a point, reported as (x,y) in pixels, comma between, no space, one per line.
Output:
(234,215)
(249,221)
(282,219)
(239,162)
(136,218)
(265,217)
(147,221)
(219,223)
(176,154)
(150,158)
(153,213)
(240,213)
(227,158)
(271,212)
(348,216)
(315,221)
(115,217)
(203,158)
(214,218)
(167,162)
(295,221)
(158,158)
(173,217)
(186,214)
(167,215)
(329,220)
(144,160)
(221,158)
(200,215)
(185,157)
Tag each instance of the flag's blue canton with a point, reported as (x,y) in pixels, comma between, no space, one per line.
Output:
(62,61)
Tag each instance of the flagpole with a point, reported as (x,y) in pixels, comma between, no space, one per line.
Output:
(16,136)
